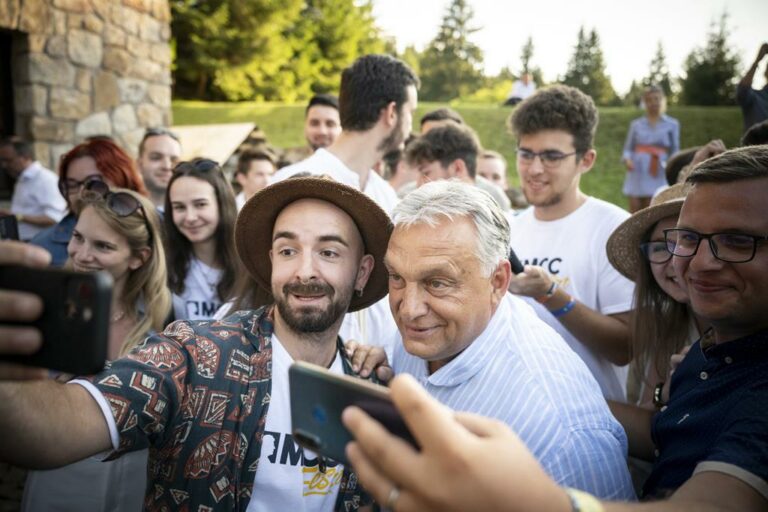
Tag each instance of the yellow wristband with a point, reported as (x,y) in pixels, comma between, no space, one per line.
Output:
(583,501)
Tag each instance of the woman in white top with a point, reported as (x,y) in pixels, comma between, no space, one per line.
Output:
(117,232)
(200,216)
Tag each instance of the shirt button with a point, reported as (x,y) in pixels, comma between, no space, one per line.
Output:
(656,452)
(704,375)
(728,359)
(664,408)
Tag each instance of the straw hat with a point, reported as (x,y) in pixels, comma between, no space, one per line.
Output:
(623,246)
(253,231)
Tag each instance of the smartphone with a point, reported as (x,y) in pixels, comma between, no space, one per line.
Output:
(9,227)
(517,267)
(318,398)
(75,319)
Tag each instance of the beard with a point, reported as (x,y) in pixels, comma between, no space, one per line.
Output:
(394,140)
(311,319)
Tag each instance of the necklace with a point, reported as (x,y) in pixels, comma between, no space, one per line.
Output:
(206,275)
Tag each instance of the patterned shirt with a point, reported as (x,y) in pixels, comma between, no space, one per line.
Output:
(197,396)
(521,372)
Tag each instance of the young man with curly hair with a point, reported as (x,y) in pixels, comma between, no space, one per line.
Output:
(561,239)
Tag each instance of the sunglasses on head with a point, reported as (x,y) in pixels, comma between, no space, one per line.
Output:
(198,164)
(121,204)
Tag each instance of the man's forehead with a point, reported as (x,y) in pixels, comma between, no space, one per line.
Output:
(322,112)
(738,205)
(299,213)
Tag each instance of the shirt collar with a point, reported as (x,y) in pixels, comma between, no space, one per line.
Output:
(753,347)
(476,356)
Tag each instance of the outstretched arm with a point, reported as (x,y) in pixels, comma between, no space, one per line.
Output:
(468,462)
(47,424)
(750,76)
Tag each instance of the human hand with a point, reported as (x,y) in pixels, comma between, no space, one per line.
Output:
(367,358)
(20,306)
(533,281)
(710,149)
(466,462)
(630,165)
(674,362)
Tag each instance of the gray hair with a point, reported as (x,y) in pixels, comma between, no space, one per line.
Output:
(450,199)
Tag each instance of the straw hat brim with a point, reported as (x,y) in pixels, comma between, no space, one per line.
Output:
(623,246)
(253,230)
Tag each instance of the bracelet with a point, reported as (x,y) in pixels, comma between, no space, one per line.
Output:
(565,309)
(658,401)
(583,501)
(548,295)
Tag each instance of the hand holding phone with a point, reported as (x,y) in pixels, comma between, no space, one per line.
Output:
(74,323)
(318,398)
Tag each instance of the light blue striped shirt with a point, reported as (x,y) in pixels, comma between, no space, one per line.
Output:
(520,371)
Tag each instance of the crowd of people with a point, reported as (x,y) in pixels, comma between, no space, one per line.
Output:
(626,361)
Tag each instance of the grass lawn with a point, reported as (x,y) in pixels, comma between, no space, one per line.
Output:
(283,124)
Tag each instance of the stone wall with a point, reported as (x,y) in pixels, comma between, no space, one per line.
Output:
(88,67)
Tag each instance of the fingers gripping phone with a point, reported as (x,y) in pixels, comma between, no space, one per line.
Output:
(75,319)
(318,398)
(514,261)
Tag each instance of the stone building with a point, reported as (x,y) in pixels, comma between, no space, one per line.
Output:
(70,69)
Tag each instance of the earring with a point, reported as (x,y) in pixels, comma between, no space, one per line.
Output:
(359,292)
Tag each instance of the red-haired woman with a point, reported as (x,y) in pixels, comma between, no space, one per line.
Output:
(95,159)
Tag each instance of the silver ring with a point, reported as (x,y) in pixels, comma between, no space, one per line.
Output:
(394,493)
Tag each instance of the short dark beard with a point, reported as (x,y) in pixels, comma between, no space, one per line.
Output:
(311,320)
(394,140)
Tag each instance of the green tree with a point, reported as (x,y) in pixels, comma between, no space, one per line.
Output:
(451,65)
(268,50)
(658,72)
(634,95)
(586,69)
(710,71)
(526,54)
(224,47)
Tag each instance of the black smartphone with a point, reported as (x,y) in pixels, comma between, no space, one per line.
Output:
(318,398)
(9,227)
(75,319)
(514,261)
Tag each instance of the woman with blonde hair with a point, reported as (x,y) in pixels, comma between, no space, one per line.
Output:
(117,231)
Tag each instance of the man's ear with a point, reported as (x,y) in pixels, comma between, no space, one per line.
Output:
(364,271)
(460,170)
(588,160)
(500,278)
(389,114)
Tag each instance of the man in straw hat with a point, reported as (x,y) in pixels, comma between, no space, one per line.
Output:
(709,445)
(211,398)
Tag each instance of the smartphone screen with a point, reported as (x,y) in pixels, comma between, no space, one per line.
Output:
(318,397)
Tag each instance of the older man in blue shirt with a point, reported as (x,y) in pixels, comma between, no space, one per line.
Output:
(477,348)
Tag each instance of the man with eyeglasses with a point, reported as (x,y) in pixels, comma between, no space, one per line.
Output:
(159,152)
(561,238)
(709,443)
(36,201)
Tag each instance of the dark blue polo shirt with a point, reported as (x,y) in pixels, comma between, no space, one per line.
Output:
(717,417)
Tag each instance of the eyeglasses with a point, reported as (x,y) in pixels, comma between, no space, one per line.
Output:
(66,185)
(656,252)
(729,247)
(120,203)
(549,158)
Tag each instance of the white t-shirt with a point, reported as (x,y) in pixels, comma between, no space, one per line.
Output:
(572,250)
(199,300)
(323,161)
(288,477)
(37,193)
